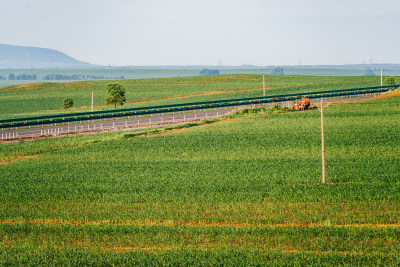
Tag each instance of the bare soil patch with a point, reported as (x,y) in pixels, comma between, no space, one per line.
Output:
(33,85)
(394,93)
(18,158)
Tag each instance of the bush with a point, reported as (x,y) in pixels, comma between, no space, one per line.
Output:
(249,111)
(278,71)
(208,72)
(390,81)
(369,72)
(68,103)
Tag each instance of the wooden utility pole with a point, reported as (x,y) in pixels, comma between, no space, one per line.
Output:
(263,86)
(381,78)
(323,143)
(92,102)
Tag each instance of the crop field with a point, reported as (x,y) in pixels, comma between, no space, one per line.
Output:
(47,98)
(243,190)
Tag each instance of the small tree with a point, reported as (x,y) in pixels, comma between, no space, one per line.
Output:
(278,71)
(369,72)
(68,103)
(390,81)
(208,72)
(115,94)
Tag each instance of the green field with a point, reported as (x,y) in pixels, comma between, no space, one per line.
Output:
(243,191)
(47,98)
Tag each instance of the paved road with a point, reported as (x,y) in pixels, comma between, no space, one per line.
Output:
(135,122)
(132,122)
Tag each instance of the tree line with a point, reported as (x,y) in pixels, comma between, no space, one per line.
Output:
(33,77)
(24,77)
(79,77)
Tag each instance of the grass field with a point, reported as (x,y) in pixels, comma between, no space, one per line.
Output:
(245,190)
(47,98)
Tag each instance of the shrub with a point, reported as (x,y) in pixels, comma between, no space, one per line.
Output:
(68,103)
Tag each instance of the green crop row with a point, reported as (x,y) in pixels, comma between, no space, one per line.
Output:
(192,258)
(277,244)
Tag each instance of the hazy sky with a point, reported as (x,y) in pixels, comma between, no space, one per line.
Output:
(208,32)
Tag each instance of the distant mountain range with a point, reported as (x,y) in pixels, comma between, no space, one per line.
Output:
(24,57)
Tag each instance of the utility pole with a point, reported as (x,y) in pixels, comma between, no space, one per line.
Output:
(92,102)
(263,86)
(323,143)
(381,78)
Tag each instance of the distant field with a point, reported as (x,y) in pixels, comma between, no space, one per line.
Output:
(47,98)
(145,73)
(243,191)
(141,73)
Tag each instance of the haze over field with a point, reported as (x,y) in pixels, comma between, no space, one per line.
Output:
(206,32)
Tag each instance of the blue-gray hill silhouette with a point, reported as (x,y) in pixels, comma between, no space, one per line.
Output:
(24,57)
